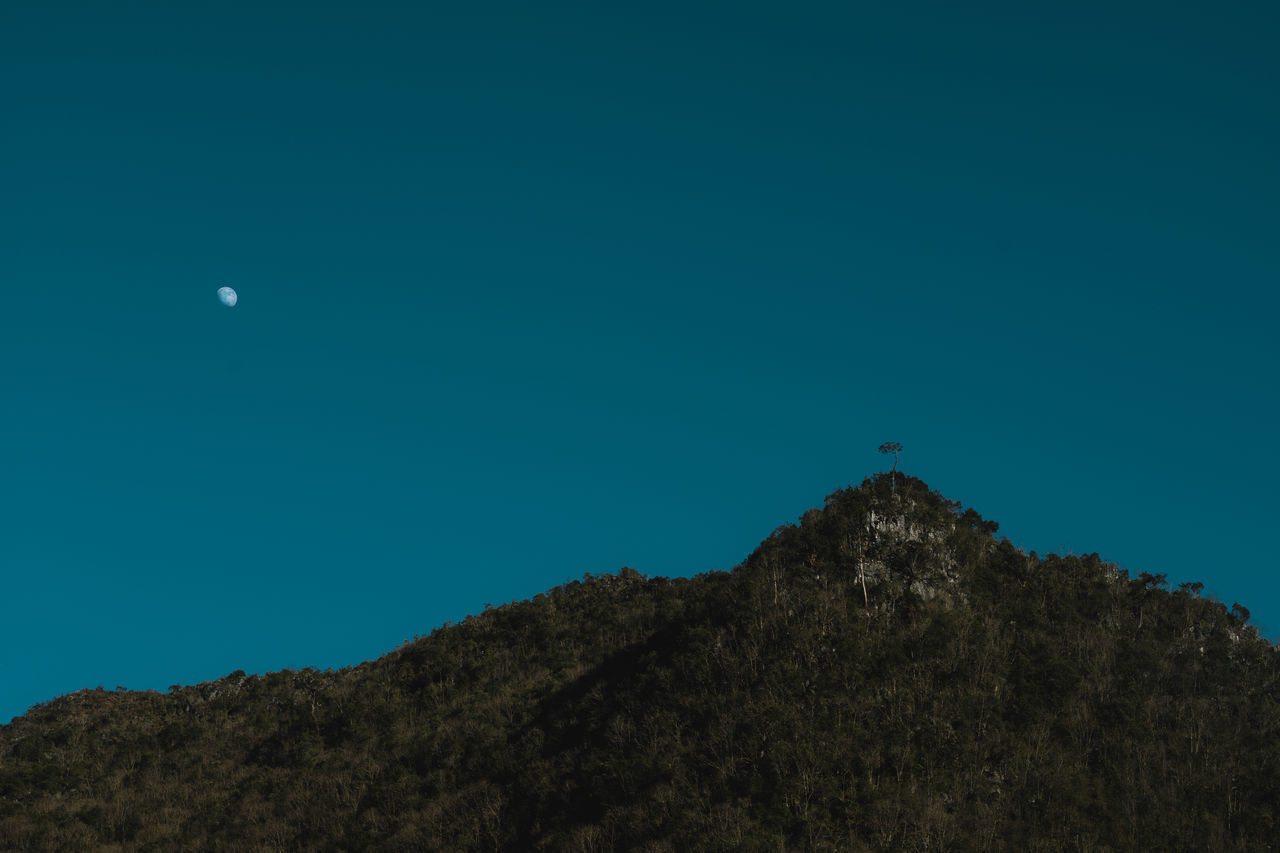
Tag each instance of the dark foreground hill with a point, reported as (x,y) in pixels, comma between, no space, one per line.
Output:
(885,675)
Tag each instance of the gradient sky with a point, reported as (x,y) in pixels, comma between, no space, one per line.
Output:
(534,290)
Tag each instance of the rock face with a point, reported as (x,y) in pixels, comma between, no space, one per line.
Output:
(893,540)
(930,567)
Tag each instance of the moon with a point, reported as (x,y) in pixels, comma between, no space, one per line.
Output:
(227,296)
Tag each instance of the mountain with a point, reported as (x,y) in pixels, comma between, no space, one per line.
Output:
(886,674)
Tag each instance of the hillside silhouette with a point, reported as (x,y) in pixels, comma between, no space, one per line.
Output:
(886,674)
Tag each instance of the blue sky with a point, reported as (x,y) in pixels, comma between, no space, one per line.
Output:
(534,290)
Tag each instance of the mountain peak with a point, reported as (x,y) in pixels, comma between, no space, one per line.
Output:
(882,675)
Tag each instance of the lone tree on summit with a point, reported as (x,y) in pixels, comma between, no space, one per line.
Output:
(894,447)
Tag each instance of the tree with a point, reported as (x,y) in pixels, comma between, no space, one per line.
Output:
(894,447)
(1240,612)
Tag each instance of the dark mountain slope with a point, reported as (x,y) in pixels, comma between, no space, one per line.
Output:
(885,675)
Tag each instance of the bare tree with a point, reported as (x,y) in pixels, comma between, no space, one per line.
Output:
(855,545)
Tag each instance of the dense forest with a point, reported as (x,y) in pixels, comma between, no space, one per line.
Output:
(886,674)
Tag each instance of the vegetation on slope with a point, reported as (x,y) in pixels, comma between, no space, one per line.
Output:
(884,675)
